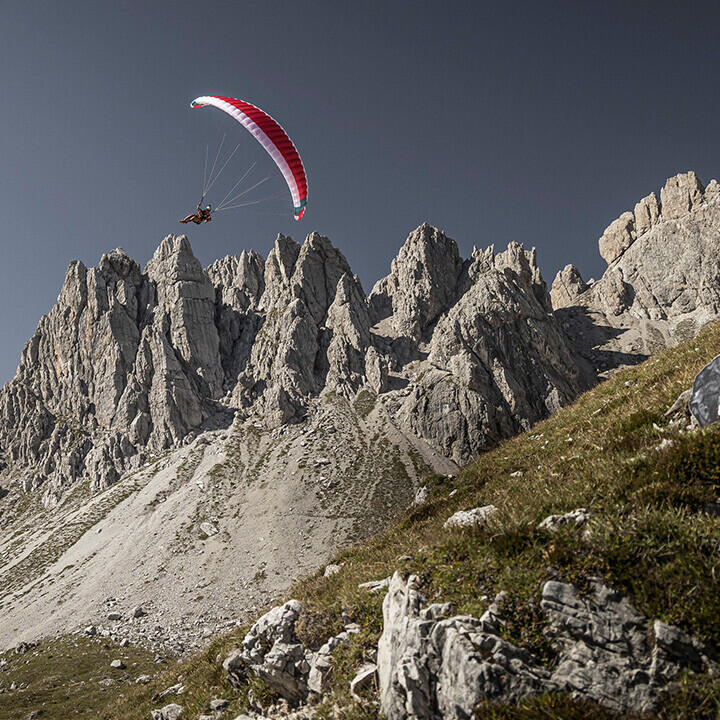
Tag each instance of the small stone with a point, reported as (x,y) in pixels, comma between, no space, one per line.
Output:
(208,529)
(477,517)
(364,678)
(421,495)
(117,664)
(169,712)
(218,704)
(331,570)
(114,616)
(137,612)
(577,517)
(375,586)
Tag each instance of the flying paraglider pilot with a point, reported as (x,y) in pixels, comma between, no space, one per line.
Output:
(202,215)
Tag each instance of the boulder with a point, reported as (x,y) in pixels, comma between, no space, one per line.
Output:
(705,396)
(272,651)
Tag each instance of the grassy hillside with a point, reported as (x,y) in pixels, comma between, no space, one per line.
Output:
(653,536)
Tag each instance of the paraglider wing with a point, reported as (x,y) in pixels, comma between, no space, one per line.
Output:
(272,137)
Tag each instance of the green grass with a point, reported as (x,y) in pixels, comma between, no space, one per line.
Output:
(650,536)
(70,677)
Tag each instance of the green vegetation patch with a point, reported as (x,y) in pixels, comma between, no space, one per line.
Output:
(69,677)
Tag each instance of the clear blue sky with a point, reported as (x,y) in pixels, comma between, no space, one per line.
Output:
(531,121)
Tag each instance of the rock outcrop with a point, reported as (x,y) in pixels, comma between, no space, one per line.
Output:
(271,651)
(433,666)
(663,281)
(567,286)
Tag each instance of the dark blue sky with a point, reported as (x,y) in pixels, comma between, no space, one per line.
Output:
(531,121)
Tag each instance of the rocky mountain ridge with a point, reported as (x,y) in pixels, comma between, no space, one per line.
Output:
(132,362)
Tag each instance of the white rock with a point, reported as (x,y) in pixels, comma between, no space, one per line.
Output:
(577,518)
(375,586)
(208,529)
(477,517)
(364,678)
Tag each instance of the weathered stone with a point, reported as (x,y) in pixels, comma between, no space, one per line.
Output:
(375,586)
(576,518)
(422,281)
(477,517)
(646,214)
(567,286)
(208,529)
(607,653)
(680,195)
(169,712)
(432,666)
(663,289)
(364,678)
(272,651)
(421,495)
(617,238)
(147,355)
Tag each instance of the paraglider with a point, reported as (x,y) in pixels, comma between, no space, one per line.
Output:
(202,215)
(273,139)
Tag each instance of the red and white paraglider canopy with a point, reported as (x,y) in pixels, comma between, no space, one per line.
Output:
(272,137)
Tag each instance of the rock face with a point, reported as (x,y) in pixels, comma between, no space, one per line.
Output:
(610,653)
(124,363)
(567,286)
(131,362)
(663,280)
(494,362)
(272,652)
(432,666)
